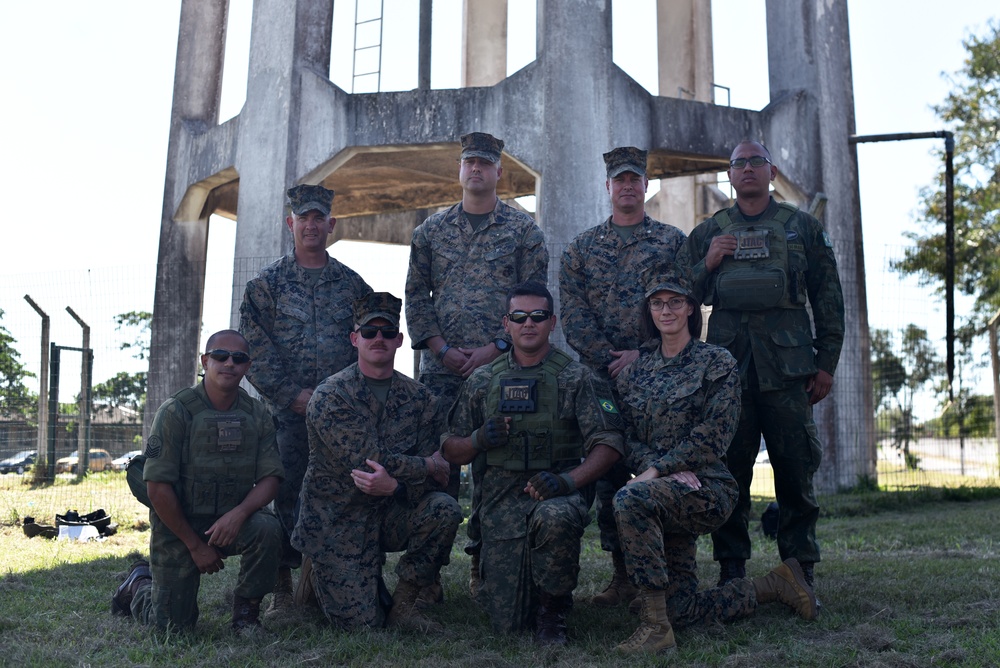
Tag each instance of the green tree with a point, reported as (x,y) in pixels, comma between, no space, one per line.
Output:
(897,377)
(128,390)
(888,372)
(972,112)
(15,398)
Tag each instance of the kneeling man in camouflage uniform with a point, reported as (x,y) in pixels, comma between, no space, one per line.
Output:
(549,428)
(373,483)
(211,465)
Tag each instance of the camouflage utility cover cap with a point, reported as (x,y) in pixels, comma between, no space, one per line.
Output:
(377,305)
(309,198)
(481,145)
(625,159)
(666,277)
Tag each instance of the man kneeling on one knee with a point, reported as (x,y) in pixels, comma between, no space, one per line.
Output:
(373,483)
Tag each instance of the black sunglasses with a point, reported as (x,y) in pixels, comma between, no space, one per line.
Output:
(220,355)
(370,331)
(540,315)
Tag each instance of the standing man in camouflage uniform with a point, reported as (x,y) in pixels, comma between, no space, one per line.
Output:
(758,263)
(548,428)
(601,296)
(297,316)
(211,465)
(462,262)
(372,482)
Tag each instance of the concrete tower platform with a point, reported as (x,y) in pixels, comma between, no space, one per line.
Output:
(392,156)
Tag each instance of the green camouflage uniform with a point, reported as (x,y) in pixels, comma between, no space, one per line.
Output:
(777,351)
(601,296)
(298,330)
(172,600)
(682,413)
(533,546)
(346,531)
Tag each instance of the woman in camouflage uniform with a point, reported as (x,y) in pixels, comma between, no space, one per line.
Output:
(681,398)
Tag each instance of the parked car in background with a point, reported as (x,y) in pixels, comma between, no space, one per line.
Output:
(19,463)
(121,463)
(99,460)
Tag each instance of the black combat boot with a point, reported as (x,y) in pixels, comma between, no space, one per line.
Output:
(121,600)
(731,569)
(246,615)
(550,619)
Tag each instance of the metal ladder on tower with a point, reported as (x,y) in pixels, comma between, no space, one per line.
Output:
(369,30)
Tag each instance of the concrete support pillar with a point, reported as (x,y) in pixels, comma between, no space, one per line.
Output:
(576,120)
(684,53)
(180,274)
(484,42)
(283,44)
(809,60)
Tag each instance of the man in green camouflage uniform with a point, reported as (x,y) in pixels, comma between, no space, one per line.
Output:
(548,428)
(758,263)
(297,316)
(211,466)
(463,260)
(601,297)
(372,482)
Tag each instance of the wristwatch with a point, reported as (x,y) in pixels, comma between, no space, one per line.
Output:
(502,345)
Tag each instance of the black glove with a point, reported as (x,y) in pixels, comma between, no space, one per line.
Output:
(493,434)
(549,485)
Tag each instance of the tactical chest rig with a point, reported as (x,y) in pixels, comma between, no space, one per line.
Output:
(768,268)
(219,464)
(538,439)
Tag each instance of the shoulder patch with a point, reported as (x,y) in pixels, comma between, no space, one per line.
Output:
(826,240)
(607,405)
(613,418)
(153,447)
(791,234)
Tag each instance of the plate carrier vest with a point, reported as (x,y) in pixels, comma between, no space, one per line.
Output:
(538,439)
(216,473)
(765,272)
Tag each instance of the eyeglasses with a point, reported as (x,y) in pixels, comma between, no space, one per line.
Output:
(755,161)
(370,331)
(540,315)
(674,304)
(220,355)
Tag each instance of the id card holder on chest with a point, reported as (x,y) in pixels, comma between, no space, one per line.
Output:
(230,435)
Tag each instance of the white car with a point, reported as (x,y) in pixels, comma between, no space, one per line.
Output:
(121,463)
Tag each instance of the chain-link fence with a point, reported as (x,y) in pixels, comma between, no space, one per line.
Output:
(916,441)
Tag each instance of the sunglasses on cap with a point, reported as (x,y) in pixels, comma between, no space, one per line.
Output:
(370,331)
(540,315)
(220,355)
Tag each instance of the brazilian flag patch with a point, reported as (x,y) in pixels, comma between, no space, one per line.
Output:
(827,241)
(613,417)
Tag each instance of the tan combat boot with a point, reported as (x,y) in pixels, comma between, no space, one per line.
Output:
(282,600)
(654,635)
(432,594)
(475,579)
(405,614)
(620,590)
(305,595)
(787,584)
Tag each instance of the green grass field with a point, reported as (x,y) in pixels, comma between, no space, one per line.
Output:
(908,579)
